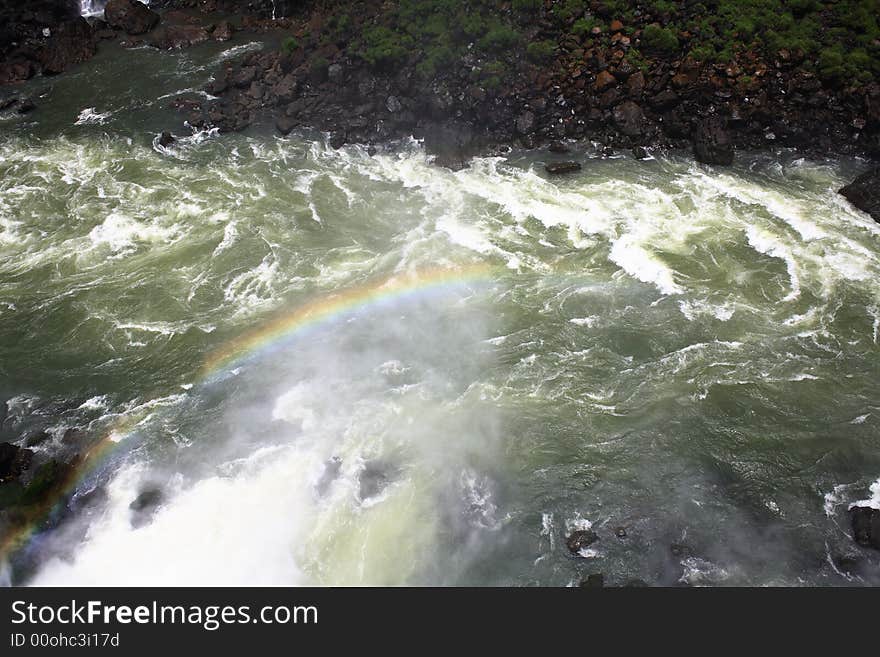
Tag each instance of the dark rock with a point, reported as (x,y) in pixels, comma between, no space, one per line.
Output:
(629,118)
(393,105)
(579,540)
(285,124)
(558,147)
(640,152)
(13,461)
(451,144)
(866,526)
(172,37)
(144,506)
(166,139)
(335,73)
(712,142)
(525,123)
(223,31)
(244,77)
(620,532)
(593,581)
(558,168)
(131,16)
(680,550)
(373,479)
(72,42)
(864,193)
(26,106)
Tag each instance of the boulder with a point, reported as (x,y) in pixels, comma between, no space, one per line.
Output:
(866,526)
(603,80)
(144,506)
(222,31)
(13,461)
(172,37)
(712,142)
(525,123)
(72,42)
(580,540)
(629,118)
(558,168)
(166,139)
(451,144)
(864,193)
(130,16)
(285,125)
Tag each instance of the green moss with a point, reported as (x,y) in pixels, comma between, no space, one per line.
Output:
(500,37)
(289,44)
(541,51)
(383,47)
(659,39)
(584,26)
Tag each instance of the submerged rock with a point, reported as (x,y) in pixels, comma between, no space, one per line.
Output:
(558,168)
(864,193)
(131,16)
(712,142)
(866,526)
(166,139)
(579,540)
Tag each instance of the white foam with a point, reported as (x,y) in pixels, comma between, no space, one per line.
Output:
(90,116)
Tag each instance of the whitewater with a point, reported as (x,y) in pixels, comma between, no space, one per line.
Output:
(681,358)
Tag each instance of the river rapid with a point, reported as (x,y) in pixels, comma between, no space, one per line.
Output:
(339,368)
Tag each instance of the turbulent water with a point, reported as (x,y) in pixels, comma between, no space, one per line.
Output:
(687,353)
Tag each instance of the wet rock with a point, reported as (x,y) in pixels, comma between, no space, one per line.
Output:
(373,479)
(712,142)
(393,105)
(866,526)
(864,193)
(285,124)
(131,16)
(620,532)
(72,42)
(559,168)
(593,581)
(640,153)
(525,123)
(172,37)
(166,139)
(629,118)
(580,540)
(26,106)
(558,147)
(223,31)
(680,550)
(13,461)
(144,506)
(451,144)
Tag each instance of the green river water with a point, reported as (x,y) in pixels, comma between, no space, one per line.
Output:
(685,352)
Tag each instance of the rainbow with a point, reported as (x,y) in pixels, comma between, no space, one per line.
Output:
(276,334)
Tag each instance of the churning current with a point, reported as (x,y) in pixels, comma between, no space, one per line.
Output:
(280,363)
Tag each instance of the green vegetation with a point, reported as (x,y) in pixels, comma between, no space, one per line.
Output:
(838,40)
(541,51)
(289,45)
(659,39)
